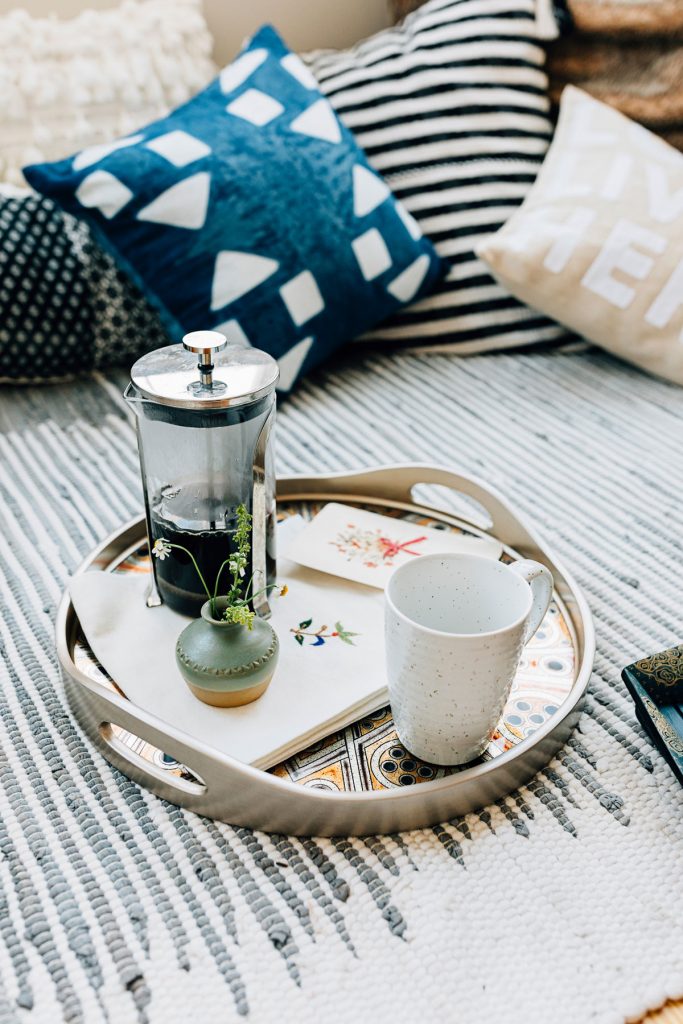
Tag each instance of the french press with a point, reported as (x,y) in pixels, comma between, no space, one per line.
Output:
(205,414)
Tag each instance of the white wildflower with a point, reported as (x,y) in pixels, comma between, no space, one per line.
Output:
(237,564)
(161,549)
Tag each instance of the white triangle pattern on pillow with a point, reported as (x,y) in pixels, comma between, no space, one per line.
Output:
(185,204)
(290,364)
(369,192)
(104,192)
(235,74)
(256,107)
(296,67)
(93,154)
(319,122)
(237,273)
(405,286)
(179,148)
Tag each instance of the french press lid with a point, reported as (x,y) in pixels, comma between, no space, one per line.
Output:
(205,372)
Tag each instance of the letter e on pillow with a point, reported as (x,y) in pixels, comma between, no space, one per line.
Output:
(598,242)
(619,253)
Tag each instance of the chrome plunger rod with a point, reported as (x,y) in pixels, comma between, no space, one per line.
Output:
(204,344)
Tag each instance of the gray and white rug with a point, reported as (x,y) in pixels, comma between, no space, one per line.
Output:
(562,904)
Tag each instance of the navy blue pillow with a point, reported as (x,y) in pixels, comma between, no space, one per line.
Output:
(252,210)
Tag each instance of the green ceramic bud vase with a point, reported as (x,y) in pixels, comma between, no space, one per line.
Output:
(224,664)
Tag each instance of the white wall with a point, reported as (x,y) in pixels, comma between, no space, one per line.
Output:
(305,24)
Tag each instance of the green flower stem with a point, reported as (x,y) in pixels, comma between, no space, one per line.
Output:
(234,599)
(249,586)
(263,590)
(180,547)
(244,601)
(215,589)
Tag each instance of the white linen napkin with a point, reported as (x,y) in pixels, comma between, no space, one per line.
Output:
(320,685)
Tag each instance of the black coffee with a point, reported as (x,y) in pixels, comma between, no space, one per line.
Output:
(179,585)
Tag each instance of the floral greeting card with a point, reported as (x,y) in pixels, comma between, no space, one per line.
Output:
(366,547)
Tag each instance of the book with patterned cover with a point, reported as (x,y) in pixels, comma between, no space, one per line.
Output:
(656,685)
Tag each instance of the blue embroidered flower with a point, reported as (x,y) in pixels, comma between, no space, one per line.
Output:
(318,636)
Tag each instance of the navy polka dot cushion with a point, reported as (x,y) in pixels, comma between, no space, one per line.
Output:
(64,305)
(45,312)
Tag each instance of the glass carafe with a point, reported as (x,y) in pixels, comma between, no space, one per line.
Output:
(205,414)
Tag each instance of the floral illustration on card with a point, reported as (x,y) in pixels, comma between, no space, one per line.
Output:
(372,547)
(306,634)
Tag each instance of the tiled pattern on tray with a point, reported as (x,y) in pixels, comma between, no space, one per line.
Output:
(368,754)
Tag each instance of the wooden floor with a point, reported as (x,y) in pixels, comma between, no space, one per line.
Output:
(672,1013)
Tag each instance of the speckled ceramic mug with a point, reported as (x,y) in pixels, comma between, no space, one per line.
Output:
(455,627)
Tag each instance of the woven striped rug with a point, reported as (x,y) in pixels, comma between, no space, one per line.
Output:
(560,904)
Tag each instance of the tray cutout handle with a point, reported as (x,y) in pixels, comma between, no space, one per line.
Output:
(455,502)
(124,752)
(396,483)
(504,523)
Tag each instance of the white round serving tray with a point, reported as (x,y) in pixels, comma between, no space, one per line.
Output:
(220,787)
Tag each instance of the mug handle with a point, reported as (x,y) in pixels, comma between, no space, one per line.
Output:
(541,582)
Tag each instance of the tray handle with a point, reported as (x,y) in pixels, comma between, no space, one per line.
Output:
(99,709)
(397,483)
(149,773)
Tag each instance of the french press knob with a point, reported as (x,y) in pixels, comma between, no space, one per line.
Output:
(204,344)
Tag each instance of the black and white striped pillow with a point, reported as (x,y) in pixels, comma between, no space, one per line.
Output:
(452,108)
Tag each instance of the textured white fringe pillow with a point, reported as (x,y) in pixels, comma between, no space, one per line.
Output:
(83,81)
(598,242)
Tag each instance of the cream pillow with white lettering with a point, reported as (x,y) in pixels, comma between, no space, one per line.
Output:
(598,242)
